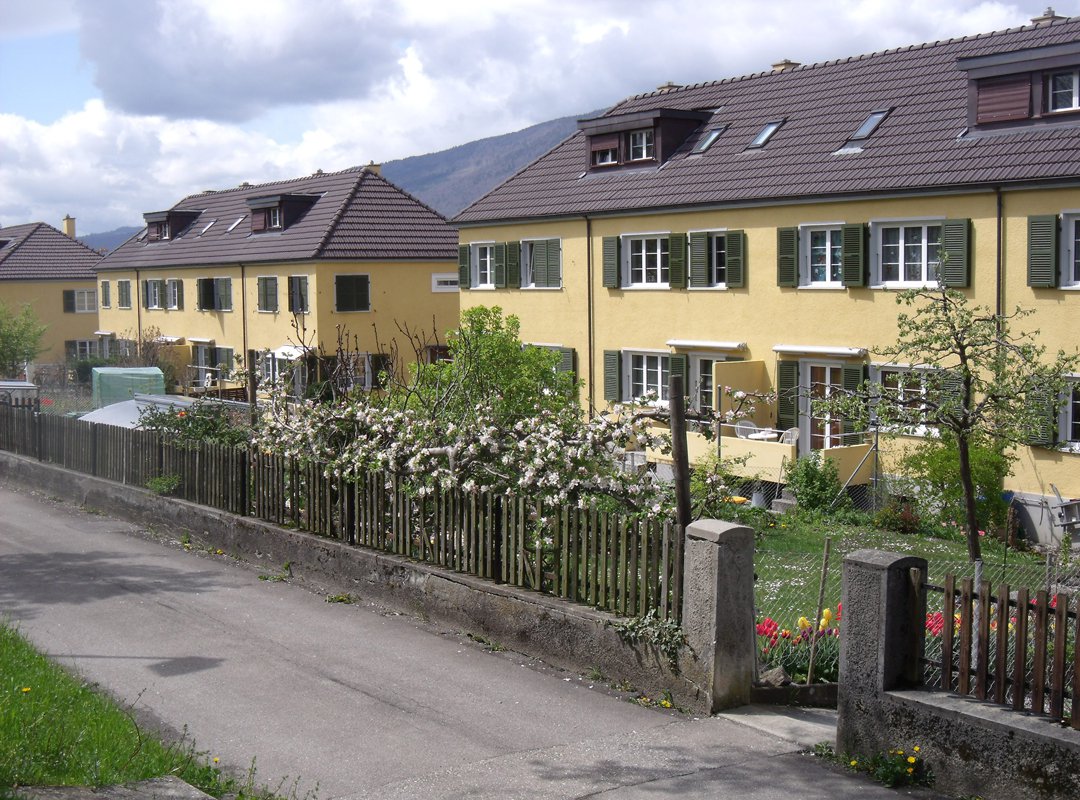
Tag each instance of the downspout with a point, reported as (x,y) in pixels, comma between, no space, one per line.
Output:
(138,314)
(590,314)
(243,312)
(999,301)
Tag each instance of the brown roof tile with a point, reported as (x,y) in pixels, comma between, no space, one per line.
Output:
(358,215)
(36,251)
(920,145)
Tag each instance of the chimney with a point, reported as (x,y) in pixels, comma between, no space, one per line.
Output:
(785,65)
(1047,16)
(670,86)
(69,226)
(373,168)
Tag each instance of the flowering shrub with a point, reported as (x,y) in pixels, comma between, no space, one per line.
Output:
(790,647)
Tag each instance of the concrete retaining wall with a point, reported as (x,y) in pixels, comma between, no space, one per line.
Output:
(973,747)
(564,634)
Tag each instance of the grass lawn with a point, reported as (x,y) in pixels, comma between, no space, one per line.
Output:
(55,730)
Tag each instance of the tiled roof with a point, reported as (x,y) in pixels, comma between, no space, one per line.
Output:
(357,215)
(921,145)
(36,251)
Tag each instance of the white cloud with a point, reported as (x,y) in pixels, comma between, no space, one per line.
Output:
(39,18)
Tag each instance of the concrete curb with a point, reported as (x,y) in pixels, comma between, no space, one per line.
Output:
(565,635)
(170,788)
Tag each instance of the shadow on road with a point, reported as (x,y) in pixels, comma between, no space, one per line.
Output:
(31,580)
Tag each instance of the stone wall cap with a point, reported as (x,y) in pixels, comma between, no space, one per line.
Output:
(883,559)
(714,530)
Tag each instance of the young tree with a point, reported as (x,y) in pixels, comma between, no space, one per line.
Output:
(20,339)
(975,379)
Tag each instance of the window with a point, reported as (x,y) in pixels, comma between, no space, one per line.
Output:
(351,293)
(81,349)
(826,430)
(174,294)
(824,264)
(910,254)
(648,375)
(215,294)
(766,133)
(707,140)
(273,217)
(444,282)
(870,125)
(268,294)
(483,275)
(1070,418)
(1064,91)
(238,221)
(641,145)
(541,265)
(106,299)
(700,390)
(159,230)
(123,294)
(605,155)
(906,388)
(298,294)
(153,293)
(647,261)
(80,301)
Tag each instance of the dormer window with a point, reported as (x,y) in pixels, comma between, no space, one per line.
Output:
(278,212)
(162,226)
(642,145)
(1064,91)
(273,217)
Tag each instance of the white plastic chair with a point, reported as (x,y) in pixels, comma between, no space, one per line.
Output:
(790,436)
(744,427)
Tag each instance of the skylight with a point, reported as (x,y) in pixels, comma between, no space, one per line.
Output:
(870,125)
(229,229)
(208,226)
(707,140)
(766,133)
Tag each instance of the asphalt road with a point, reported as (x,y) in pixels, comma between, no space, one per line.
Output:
(350,701)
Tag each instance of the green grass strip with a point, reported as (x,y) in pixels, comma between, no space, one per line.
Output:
(56,731)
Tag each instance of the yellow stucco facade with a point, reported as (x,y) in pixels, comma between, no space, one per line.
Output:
(46,298)
(764,323)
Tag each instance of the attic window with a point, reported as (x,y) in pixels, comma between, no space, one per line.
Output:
(642,145)
(209,225)
(238,221)
(707,140)
(4,243)
(766,133)
(870,124)
(1064,91)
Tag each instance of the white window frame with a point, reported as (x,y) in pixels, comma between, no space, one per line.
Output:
(85,349)
(605,157)
(877,228)
(1074,100)
(877,373)
(663,250)
(1069,418)
(444,282)
(155,288)
(806,254)
(642,145)
(1069,250)
(655,363)
(273,218)
(482,278)
(85,301)
(697,377)
(172,295)
(123,287)
(806,403)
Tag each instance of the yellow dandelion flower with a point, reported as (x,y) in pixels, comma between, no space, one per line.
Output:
(853,763)
(916,748)
(25,689)
(911,759)
(910,770)
(215,759)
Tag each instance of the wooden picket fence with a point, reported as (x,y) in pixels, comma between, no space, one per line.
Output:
(1013,648)
(625,565)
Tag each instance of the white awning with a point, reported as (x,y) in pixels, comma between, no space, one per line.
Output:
(816,350)
(169,339)
(199,340)
(695,344)
(104,333)
(288,352)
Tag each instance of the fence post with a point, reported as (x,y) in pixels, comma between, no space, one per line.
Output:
(882,641)
(718,611)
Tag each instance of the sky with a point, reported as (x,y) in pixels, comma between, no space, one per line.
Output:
(112,108)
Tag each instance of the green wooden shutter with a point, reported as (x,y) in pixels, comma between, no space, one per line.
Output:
(146,294)
(677,261)
(539,263)
(699,260)
(179,294)
(500,265)
(1043,251)
(851,377)
(612,267)
(787,256)
(566,359)
(956,245)
(513,265)
(735,242)
(223,294)
(69,301)
(1042,420)
(612,376)
(853,254)
(787,394)
(554,264)
(464,276)
(679,364)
